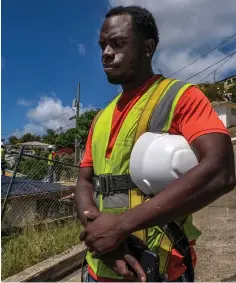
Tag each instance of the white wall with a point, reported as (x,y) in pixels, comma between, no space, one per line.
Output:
(221,111)
(226,113)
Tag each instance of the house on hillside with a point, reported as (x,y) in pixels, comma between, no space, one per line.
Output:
(228,82)
(35,145)
(226,112)
(32,202)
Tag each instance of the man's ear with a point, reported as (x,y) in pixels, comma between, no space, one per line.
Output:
(150,47)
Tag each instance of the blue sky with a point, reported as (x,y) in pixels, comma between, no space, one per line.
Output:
(47,47)
(50,46)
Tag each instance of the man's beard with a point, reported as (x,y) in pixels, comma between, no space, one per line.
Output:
(124,78)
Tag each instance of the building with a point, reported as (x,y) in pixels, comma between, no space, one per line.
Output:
(35,145)
(32,202)
(228,82)
(226,112)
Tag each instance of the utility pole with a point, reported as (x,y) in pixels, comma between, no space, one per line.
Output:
(77,116)
(76,106)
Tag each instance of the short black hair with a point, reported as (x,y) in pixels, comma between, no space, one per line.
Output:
(142,19)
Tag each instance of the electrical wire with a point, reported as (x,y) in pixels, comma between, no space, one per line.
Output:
(211,66)
(36,124)
(216,69)
(223,42)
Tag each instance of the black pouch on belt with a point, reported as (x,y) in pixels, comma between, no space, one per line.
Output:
(147,259)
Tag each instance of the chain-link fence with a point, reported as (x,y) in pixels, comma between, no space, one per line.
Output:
(37,210)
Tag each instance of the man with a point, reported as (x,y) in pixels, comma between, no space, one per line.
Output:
(51,156)
(3,161)
(128,40)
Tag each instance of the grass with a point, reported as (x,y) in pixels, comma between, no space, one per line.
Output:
(33,246)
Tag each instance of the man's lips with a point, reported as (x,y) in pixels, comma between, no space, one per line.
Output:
(109,67)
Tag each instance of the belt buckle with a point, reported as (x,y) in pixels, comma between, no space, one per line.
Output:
(105,184)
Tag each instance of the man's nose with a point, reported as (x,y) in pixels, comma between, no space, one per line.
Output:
(108,53)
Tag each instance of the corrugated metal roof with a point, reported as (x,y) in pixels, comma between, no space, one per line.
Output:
(34,143)
(22,186)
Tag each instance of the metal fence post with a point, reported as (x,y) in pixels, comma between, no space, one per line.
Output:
(11,182)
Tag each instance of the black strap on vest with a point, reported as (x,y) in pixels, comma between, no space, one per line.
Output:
(181,244)
(108,184)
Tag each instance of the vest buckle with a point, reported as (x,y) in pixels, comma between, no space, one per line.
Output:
(106,186)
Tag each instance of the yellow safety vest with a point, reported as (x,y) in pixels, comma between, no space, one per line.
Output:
(154,111)
(51,156)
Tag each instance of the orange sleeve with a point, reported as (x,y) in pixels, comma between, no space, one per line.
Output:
(88,159)
(194,116)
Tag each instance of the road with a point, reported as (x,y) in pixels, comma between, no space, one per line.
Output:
(216,248)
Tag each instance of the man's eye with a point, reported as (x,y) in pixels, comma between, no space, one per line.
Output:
(118,43)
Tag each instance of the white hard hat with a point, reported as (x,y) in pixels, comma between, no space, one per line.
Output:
(2,144)
(50,146)
(159,159)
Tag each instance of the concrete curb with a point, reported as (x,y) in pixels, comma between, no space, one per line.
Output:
(52,268)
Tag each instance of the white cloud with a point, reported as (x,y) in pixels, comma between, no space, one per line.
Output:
(80,47)
(49,113)
(188,29)
(24,102)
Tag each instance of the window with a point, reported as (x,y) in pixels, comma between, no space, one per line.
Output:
(233,111)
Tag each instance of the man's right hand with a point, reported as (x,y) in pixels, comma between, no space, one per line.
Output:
(120,259)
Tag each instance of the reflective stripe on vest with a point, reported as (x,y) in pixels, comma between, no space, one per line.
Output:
(149,113)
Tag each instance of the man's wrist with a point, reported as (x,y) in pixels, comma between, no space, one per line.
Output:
(81,216)
(125,224)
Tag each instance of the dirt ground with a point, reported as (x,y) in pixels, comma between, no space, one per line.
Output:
(216,248)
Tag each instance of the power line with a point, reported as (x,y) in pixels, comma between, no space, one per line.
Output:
(36,124)
(216,69)
(22,129)
(223,42)
(211,66)
(65,126)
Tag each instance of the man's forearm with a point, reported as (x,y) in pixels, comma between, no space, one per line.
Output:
(199,187)
(84,199)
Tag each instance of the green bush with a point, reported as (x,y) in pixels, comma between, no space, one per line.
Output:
(35,169)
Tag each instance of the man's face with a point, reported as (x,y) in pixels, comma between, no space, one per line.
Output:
(121,56)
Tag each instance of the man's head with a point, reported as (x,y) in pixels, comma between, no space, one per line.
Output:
(128,39)
(50,148)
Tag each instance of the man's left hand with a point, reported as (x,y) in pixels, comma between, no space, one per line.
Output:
(104,233)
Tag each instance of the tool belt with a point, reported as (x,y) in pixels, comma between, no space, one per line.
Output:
(108,184)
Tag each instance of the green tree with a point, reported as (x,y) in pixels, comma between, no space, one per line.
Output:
(34,169)
(66,139)
(50,137)
(211,91)
(83,124)
(13,140)
(30,137)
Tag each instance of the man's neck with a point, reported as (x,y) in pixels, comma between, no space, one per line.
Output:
(137,82)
